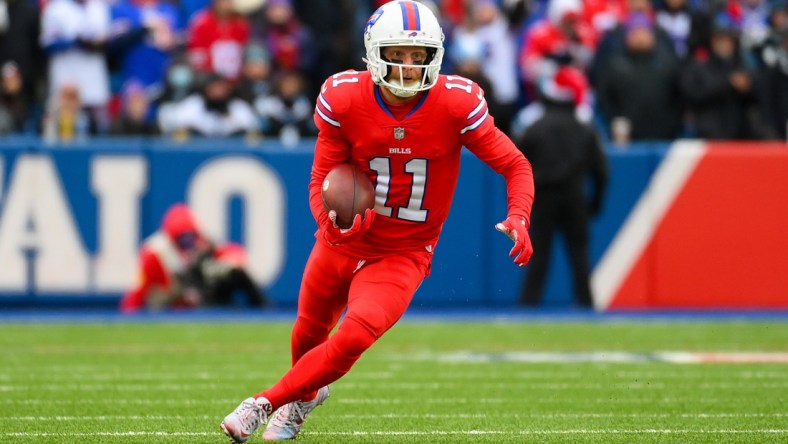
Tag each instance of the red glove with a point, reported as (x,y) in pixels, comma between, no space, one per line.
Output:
(517,229)
(338,236)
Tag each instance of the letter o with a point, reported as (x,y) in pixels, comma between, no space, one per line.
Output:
(260,188)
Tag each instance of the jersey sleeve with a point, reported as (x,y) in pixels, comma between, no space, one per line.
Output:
(479,134)
(331,147)
(469,106)
(334,100)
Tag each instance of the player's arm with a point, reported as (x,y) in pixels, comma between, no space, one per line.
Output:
(329,152)
(495,149)
(498,151)
(331,149)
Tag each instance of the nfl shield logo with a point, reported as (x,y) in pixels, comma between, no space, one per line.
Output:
(399,133)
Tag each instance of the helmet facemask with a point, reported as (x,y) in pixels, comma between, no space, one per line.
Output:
(386,28)
(429,73)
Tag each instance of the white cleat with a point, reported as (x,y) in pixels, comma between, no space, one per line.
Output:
(288,419)
(246,419)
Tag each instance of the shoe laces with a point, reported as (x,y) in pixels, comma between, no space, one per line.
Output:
(251,414)
(292,414)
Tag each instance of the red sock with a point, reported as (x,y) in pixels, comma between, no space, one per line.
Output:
(322,364)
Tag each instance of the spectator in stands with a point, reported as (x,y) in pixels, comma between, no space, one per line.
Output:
(335,47)
(14,106)
(676,19)
(614,40)
(179,80)
(213,111)
(65,119)
(255,83)
(216,39)
(179,84)
(778,21)
(641,84)
(181,268)
(604,15)
(517,12)
(144,35)
(565,152)
(704,15)
(286,38)
(74,34)
(467,53)
(20,30)
(134,119)
(778,15)
(753,17)
(287,113)
(188,9)
(774,90)
(561,38)
(498,58)
(719,89)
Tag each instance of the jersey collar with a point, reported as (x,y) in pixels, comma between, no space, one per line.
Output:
(384,107)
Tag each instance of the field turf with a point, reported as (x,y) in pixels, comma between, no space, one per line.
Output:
(426,381)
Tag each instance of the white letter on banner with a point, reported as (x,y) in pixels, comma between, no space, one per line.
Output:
(36,220)
(260,188)
(118,182)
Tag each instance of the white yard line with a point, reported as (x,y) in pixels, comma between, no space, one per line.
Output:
(551,432)
(578,415)
(635,400)
(642,384)
(427,433)
(671,357)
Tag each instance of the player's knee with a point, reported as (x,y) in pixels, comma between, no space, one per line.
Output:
(351,340)
(362,326)
(371,316)
(310,328)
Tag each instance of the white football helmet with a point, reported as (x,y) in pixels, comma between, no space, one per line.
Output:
(403,23)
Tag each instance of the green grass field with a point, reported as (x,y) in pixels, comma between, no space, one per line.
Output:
(447,382)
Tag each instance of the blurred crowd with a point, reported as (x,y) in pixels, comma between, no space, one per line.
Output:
(638,69)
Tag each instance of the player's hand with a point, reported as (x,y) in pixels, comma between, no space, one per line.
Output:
(338,236)
(516,229)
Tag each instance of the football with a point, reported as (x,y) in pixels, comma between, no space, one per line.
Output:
(348,191)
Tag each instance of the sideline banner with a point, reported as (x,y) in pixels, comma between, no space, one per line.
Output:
(692,225)
(709,231)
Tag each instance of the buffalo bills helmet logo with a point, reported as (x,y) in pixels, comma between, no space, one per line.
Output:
(373,19)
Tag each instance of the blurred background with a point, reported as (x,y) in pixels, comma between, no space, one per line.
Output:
(114,112)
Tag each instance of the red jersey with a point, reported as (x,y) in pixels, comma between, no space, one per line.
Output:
(216,45)
(412,156)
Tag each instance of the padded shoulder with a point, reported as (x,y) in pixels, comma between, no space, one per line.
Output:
(338,93)
(465,99)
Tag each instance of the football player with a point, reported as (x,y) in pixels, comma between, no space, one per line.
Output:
(405,126)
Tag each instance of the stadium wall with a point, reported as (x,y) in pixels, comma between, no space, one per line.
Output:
(684,225)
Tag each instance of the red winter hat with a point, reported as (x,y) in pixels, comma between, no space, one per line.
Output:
(568,84)
(180,223)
